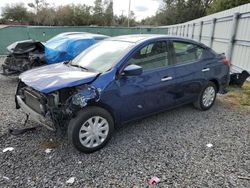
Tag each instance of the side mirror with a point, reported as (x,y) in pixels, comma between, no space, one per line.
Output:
(132,70)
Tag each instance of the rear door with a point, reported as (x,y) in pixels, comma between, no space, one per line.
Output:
(214,68)
(189,75)
(154,89)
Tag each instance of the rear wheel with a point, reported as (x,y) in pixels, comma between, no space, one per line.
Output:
(207,97)
(91,129)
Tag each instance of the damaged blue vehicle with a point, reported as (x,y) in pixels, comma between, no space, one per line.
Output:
(28,54)
(119,80)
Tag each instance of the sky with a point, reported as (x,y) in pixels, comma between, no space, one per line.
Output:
(141,8)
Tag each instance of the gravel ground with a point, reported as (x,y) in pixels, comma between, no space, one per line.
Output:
(170,145)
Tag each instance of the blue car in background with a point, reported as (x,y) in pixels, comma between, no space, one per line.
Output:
(25,55)
(119,80)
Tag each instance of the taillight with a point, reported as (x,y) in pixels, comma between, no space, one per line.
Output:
(226,61)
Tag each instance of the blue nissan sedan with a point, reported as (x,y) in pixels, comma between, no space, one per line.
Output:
(119,80)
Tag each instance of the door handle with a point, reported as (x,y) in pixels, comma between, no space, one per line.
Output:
(166,78)
(205,69)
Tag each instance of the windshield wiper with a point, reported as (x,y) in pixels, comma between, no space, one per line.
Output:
(67,62)
(75,65)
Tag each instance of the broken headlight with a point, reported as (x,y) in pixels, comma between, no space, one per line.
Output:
(84,95)
(79,100)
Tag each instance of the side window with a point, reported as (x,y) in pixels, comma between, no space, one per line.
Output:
(151,56)
(187,52)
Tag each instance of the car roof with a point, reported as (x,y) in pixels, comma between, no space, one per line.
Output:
(83,34)
(139,38)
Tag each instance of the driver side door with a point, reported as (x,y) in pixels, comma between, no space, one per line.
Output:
(153,90)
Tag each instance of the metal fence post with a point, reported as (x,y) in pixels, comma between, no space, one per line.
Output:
(184,30)
(187,30)
(212,33)
(200,34)
(193,30)
(232,35)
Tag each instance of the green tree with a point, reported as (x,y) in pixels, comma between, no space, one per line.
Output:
(220,5)
(195,9)
(123,20)
(98,13)
(108,13)
(46,16)
(64,15)
(81,14)
(16,12)
(38,5)
(41,8)
(178,11)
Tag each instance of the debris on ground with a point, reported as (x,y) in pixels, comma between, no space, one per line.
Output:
(153,180)
(6,178)
(48,150)
(52,144)
(15,132)
(244,177)
(209,145)
(70,180)
(135,186)
(238,79)
(8,149)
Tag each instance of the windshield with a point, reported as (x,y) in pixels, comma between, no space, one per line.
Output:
(102,56)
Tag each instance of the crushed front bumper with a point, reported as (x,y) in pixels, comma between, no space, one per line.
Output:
(46,121)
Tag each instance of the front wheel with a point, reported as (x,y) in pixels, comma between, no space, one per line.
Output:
(91,129)
(207,97)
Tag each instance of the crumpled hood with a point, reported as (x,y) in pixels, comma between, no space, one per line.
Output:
(25,46)
(56,76)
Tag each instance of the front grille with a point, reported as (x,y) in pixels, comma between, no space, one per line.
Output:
(33,100)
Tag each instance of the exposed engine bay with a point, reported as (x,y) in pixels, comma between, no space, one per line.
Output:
(23,55)
(55,108)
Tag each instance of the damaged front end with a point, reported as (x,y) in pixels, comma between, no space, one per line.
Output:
(84,95)
(54,110)
(23,55)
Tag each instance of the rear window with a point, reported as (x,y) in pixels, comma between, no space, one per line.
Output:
(187,52)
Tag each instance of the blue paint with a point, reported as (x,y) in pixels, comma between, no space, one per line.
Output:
(132,97)
(50,78)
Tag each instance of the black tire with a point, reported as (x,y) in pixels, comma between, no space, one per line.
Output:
(199,102)
(76,124)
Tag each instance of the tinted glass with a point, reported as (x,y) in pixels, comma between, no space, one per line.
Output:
(151,56)
(187,52)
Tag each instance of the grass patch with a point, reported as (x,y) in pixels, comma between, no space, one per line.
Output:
(239,96)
